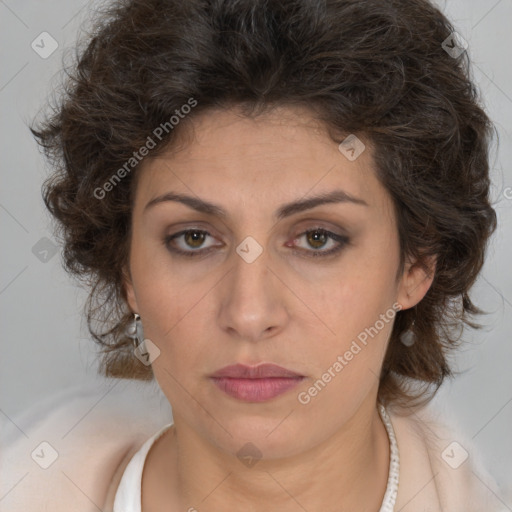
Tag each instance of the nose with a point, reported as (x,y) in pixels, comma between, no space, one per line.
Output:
(253,303)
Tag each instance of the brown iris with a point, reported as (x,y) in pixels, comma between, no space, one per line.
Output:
(317,238)
(194,238)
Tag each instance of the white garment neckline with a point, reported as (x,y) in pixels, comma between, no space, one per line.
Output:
(128,497)
(388,503)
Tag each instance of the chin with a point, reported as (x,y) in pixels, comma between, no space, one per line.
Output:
(269,438)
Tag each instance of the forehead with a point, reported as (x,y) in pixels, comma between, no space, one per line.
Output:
(283,133)
(280,155)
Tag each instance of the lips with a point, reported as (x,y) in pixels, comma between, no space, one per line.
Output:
(255,383)
(262,371)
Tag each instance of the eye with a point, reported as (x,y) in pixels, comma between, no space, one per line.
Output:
(322,241)
(190,242)
(183,241)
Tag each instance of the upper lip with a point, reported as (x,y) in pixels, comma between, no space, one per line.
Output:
(261,371)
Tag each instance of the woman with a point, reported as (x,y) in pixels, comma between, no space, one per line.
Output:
(281,208)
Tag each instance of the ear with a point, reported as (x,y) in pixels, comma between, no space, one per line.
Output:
(129,290)
(415,281)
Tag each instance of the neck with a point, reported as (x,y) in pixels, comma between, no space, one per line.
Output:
(348,471)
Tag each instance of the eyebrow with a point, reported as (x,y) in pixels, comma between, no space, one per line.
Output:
(286,210)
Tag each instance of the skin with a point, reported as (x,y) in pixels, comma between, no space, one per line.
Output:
(286,307)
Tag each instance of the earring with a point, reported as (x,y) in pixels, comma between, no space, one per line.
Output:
(408,338)
(135,330)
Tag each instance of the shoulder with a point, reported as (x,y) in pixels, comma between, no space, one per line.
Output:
(66,453)
(440,466)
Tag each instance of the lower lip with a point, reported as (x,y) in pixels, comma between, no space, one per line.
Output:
(256,390)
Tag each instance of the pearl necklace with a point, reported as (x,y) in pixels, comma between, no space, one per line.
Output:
(388,504)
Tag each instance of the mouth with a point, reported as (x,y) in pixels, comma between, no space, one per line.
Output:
(255,383)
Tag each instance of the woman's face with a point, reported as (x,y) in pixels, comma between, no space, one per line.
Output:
(257,278)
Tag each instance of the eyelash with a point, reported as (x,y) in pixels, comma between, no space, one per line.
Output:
(340,239)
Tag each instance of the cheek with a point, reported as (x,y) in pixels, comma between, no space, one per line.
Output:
(348,365)
(355,296)
(357,305)
(174,308)
(172,312)
(164,292)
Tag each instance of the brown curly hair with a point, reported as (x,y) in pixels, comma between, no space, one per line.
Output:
(378,68)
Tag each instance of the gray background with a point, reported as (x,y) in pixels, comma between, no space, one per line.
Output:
(45,345)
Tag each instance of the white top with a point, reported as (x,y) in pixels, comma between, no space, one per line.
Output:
(128,496)
(129,493)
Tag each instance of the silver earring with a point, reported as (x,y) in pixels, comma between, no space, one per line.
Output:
(135,330)
(408,338)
